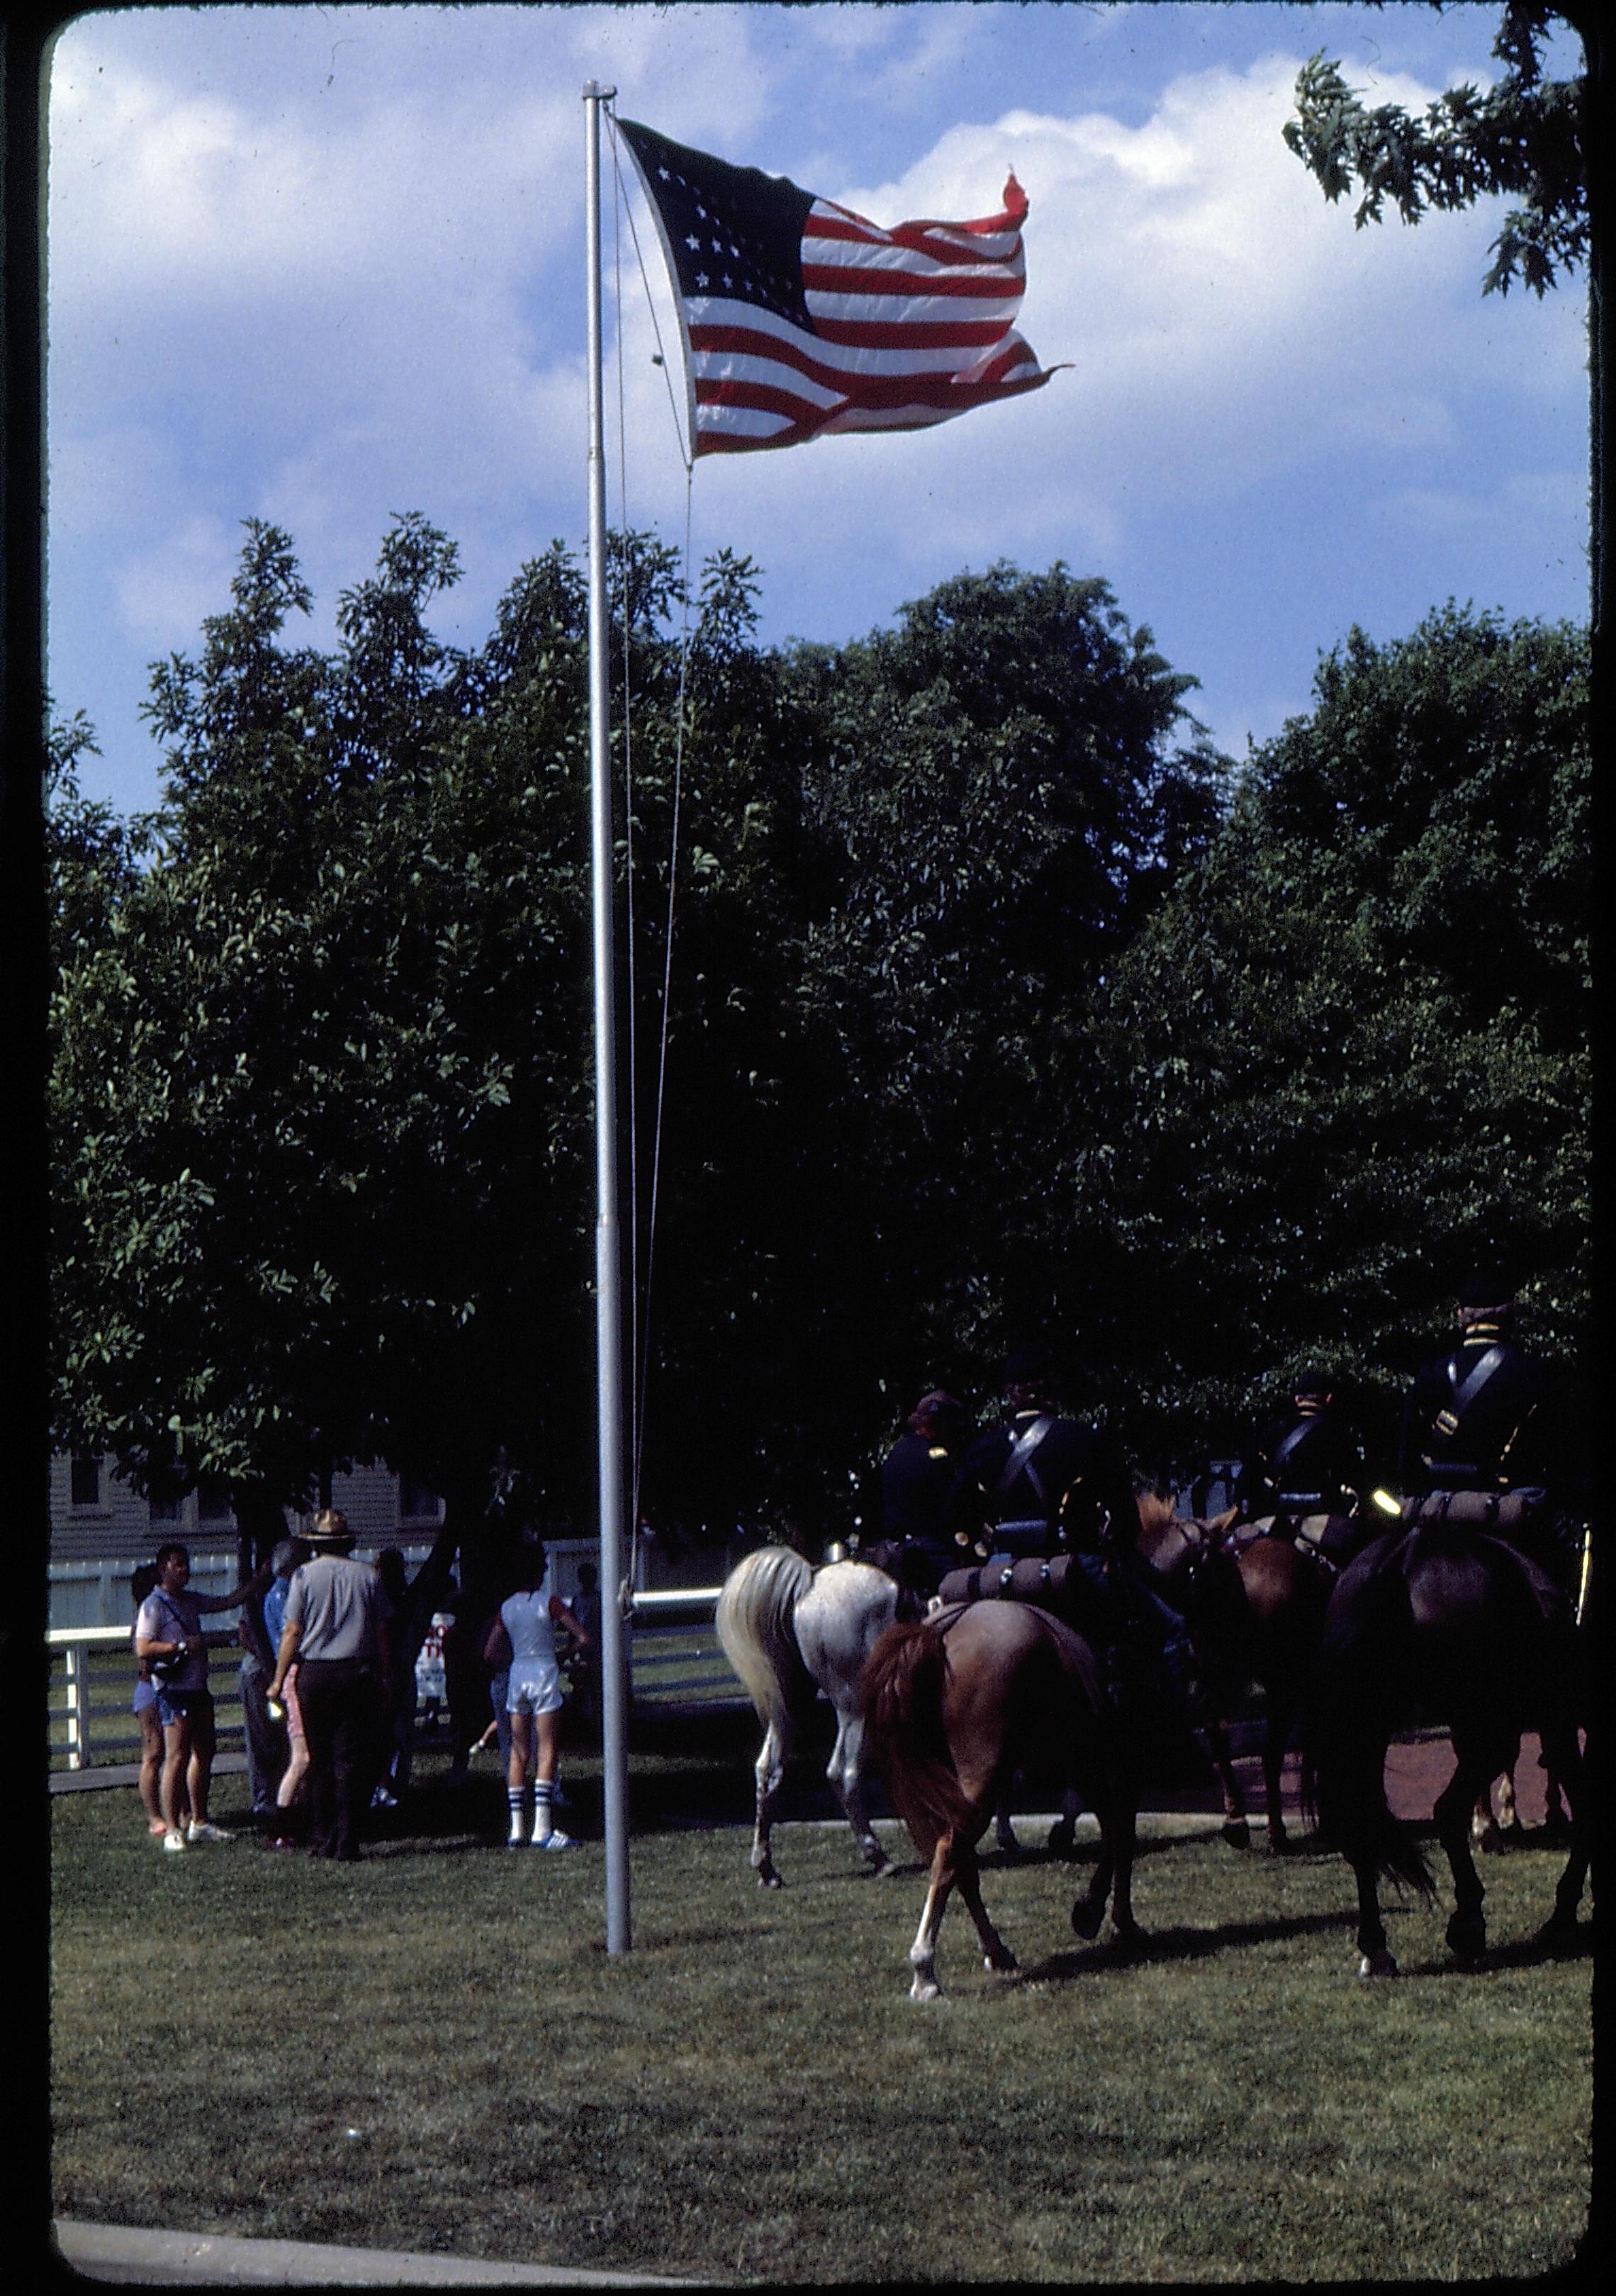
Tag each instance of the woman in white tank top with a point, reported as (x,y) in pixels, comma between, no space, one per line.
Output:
(524,1637)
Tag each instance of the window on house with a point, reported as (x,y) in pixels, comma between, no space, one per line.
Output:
(165,1509)
(213,1502)
(87,1482)
(415,1502)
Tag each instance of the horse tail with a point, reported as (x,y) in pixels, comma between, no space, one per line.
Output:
(903,1714)
(753,1619)
(1343,1782)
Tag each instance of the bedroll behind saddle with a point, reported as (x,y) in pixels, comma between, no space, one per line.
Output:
(1502,1512)
(1030,1580)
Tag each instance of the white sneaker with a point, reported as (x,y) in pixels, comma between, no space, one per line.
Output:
(174,1841)
(555,1840)
(199,1830)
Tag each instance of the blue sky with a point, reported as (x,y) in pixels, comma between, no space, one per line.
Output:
(325,265)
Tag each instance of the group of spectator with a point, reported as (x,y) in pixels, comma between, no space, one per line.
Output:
(327,1738)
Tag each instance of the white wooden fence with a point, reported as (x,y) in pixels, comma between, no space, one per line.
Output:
(676,1666)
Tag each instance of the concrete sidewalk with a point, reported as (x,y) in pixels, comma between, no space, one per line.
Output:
(180,2259)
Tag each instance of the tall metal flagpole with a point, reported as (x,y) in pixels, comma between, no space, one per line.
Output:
(608,1313)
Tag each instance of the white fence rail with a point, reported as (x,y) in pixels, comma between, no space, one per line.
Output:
(678,1665)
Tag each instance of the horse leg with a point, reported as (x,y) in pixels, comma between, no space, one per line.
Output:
(922,1953)
(1563,1757)
(1236,1831)
(846,1774)
(1088,1912)
(1003,1831)
(1277,1733)
(1064,1832)
(1477,1768)
(1122,1863)
(1484,1827)
(1375,1957)
(770,1771)
(996,1956)
(1509,1810)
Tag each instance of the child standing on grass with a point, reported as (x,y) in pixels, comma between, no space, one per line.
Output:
(522,1638)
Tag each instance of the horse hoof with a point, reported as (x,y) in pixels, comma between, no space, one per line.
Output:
(1377,1964)
(1063,1839)
(1279,1842)
(1008,1966)
(1489,1841)
(1127,1934)
(1238,1833)
(927,1990)
(768,1879)
(1467,1937)
(1086,1916)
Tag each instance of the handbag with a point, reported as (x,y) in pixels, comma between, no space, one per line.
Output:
(165,1669)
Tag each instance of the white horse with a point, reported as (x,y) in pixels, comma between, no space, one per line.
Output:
(786,1627)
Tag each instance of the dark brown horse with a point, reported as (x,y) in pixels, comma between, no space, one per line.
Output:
(1255,1609)
(952,1706)
(1455,1626)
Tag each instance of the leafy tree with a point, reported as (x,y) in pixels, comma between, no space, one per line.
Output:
(1348,1056)
(1526,138)
(1004,786)
(321,1085)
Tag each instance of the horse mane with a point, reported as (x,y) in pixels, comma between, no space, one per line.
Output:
(753,1621)
(903,1690)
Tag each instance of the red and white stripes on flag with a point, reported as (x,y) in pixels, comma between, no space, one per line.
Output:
(800,317)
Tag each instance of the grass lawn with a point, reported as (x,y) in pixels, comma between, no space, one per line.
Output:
(432,2050)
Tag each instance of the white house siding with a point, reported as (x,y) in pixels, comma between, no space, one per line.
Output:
(94,1548)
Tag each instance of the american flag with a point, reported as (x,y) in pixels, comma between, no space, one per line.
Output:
(800,318)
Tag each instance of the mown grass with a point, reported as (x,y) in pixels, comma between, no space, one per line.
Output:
(432,2050)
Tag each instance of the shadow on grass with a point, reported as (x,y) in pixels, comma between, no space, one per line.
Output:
(1535,1952)
(1181,1945)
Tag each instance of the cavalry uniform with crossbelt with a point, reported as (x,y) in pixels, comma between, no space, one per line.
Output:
(1484,1441)
(1046,1490)
(1306,1474)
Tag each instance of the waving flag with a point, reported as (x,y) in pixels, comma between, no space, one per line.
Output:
(799,317)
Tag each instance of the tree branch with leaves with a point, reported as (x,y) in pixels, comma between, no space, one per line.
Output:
(1524,137)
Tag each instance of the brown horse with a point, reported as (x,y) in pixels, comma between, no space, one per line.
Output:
(953,1705)
(1255,1610)
(1453,1623)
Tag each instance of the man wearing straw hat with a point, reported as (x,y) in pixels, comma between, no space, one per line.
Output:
(336,1630)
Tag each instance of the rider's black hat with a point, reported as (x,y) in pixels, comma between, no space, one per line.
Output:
(1486,1287)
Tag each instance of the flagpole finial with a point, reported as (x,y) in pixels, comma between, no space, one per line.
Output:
(595,89)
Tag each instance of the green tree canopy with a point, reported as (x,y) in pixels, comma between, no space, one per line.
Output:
(1348,1056)
(1525,138)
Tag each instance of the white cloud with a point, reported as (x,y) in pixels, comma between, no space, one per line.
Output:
(164,591)
(326,266)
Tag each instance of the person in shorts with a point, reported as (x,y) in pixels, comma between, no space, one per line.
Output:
(168,1639)
(522,1639)
(144,1707)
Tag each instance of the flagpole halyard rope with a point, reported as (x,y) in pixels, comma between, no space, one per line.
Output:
(639,1373)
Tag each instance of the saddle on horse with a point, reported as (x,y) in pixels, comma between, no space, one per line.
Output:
(1331,1540)
(1101,1603)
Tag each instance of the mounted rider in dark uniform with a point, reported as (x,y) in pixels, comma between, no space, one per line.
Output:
(1485,1416)
(1042,1485)
(1307,1466)
(916,1476)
